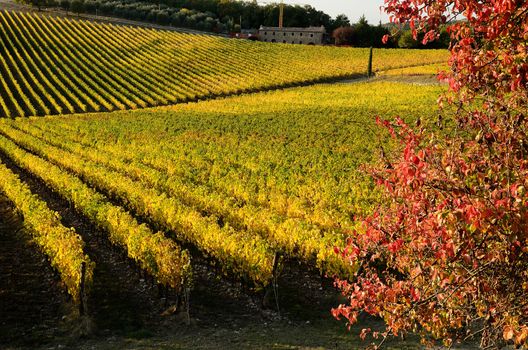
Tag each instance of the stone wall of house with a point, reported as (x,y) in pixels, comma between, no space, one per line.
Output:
(307,36)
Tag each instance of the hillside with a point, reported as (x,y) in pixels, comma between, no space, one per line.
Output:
(273,172)
(52,65)
(169,188)
(238,179)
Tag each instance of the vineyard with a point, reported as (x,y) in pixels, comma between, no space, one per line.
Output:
(170,189)
(128,192)
(245,180)
(51,65)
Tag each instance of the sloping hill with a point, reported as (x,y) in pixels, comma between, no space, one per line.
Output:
(51,65)
(241,178)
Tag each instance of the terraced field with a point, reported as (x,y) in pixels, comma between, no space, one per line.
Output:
(52,65)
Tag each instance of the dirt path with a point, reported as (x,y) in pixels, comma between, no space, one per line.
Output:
(10,5)
(417,79)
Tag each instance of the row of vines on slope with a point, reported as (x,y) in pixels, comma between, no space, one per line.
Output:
(63,246)
(159,256)
(51,65)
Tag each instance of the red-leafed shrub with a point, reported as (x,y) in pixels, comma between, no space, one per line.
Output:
(446,253)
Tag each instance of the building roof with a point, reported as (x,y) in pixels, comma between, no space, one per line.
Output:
(320,29)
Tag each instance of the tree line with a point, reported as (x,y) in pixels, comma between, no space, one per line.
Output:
(227,16)
(208,15)
(362,34)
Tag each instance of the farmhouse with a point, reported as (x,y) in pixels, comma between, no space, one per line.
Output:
(308,36)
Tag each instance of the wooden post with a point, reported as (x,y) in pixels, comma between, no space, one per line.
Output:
(276,260)
(369,71)
(187,292)
(82,296)
(274,282)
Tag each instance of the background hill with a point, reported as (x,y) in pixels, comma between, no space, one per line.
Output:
(51,65)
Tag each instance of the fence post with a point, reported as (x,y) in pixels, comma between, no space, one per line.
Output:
(369,71)
(275,284)
(82,296)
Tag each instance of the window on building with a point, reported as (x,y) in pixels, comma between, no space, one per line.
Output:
(284,34)
(300,34)
(293,34)
(311,35)
(284,41)
(300,42)
(273,33)
(265,33)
